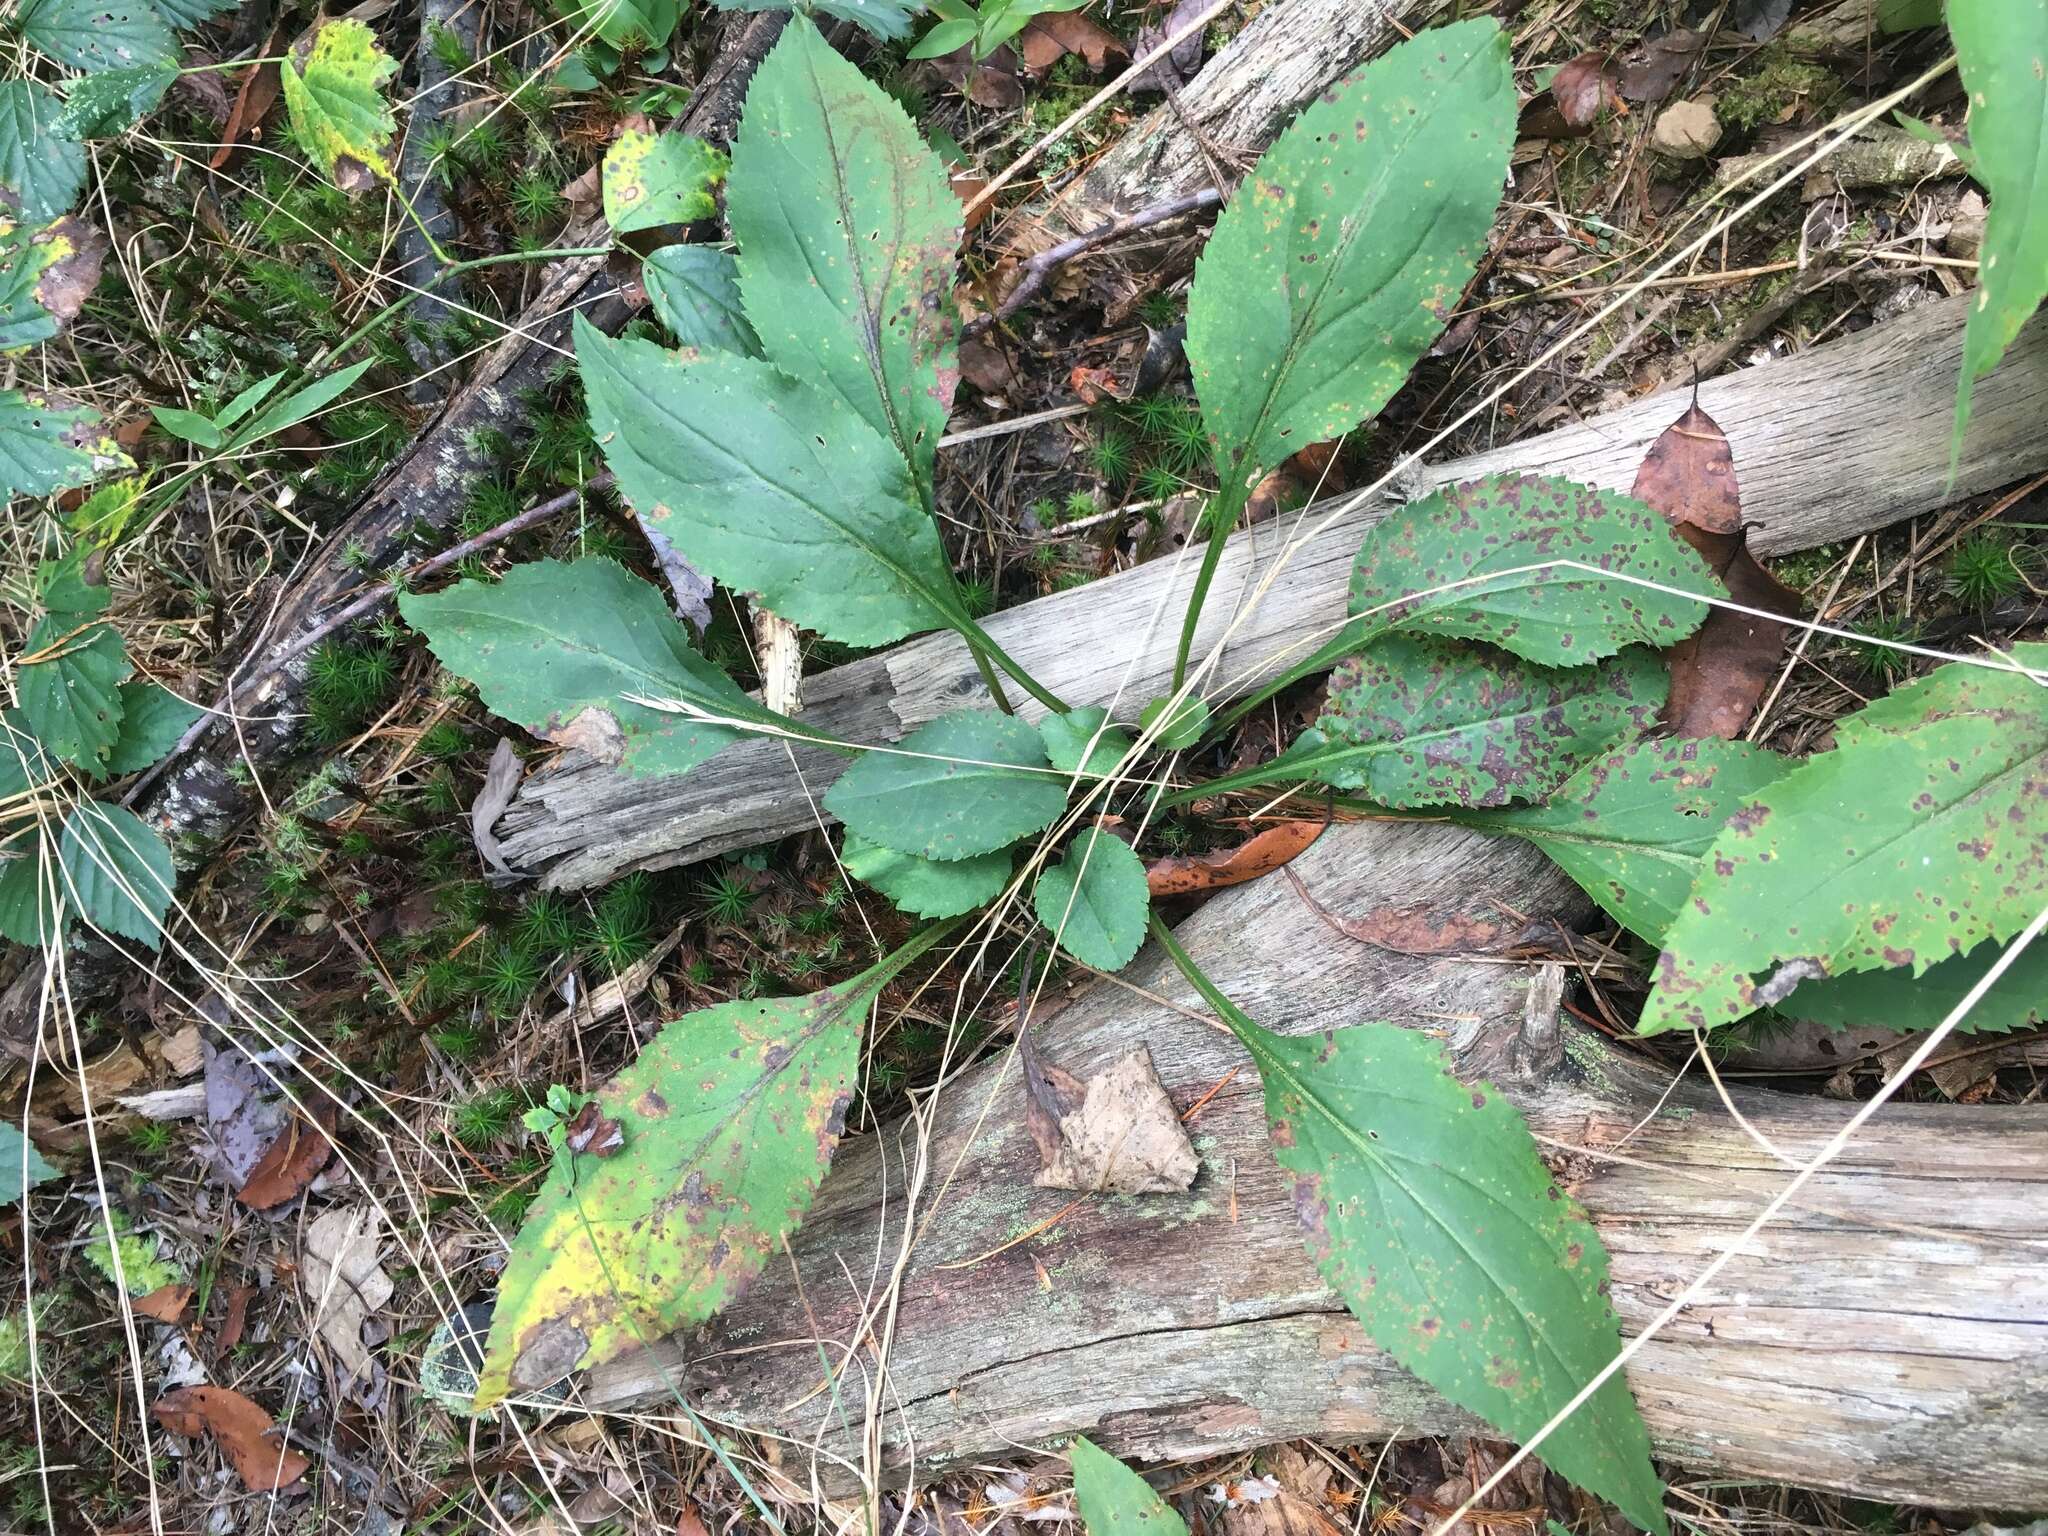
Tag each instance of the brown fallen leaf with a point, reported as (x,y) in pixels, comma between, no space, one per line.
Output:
(258,94)
(1651,69)
(1057,33)
(1583,87)
(1424,931)
(247,1435)
(1179,64)
(343,1283)
(237,1318)
(991,82)
(66,283)
(291,1162)
(167,1303)
(1116,1134)
(1720,672)
(501,779)
(1258,855)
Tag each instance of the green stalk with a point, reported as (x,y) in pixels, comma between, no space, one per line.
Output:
(979,641)
(1222,515)
(1239,1021)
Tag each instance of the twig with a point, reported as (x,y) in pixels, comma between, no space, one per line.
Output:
(1039,269)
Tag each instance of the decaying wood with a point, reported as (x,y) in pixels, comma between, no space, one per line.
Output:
(1888,1336)
(1238,103)
(1840,440)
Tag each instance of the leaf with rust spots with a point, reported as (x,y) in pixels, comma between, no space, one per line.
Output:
(1436,722)
(1114,1500)
(1340,257)
(248,1436)
(1426,1207)
(1489,540)
(847,231)
(1267,850)
(1923,834)
(559,647)
(46,275)
(651,179)
(725,1123)
(1719,674)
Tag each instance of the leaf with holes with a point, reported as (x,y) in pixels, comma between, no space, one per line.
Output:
(695,291)
(69,677)
(961,786)
(652,179)
(94,36)
(47,445)
(1438,722)
(2002,52)
(1491,538)
(770,485)
(560,647)
(41,169)
(1095,901)
(112,868)
(1114,1500)
(1339,260)
(101,105)
(729,1118)
(46,275)
(926,887)
(1921,835)
(334,100)
(1426,1207)
(153,720)
(1630,827)
(847,230)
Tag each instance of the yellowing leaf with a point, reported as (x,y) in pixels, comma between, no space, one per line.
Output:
(338,113)
(726,1124)
(652,179)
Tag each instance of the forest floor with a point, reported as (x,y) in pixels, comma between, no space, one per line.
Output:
(445,1004)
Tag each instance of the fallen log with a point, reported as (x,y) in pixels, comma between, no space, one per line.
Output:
(1840,440)
(1887,1337)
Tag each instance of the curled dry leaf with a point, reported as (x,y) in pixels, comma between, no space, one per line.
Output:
(1427,931)
(1179,65)
(1117,1133)
(1719,673)
(167,1303)
(1258,855)
(247,1436)
(298,1154)
(253,101)
(345,1286)
(1582,87)
(501,781)
(1062,32)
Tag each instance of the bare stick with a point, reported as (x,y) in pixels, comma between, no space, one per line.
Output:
(1039,269)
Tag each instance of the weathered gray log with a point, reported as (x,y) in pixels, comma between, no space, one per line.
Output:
(1239,102)
(1840,440)
(1887,1337)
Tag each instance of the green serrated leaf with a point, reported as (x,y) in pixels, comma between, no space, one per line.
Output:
(46,275)
(1084,734)
(695,291)
(557,647)
(956,788)
(1095,901)
(1887,999)
(96,36)
(22,1167)
(69,680)
(926,887)
(1487,534)
(1114,1500)
(152,721)
(885,18)
(102,519)
(1426,1207)
(847,230)
(334,100)
(1184,729)
(1439,722)
(728,1120)
(102,105)
(1338,260)
(112,868)
(1630,827)
(2002,52)
(770,485)
(41,169)
(48,445)
(72,585)
(652,179)
(1921,835)
(191,13)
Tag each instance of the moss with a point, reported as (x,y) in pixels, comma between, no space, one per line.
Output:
(1776,83)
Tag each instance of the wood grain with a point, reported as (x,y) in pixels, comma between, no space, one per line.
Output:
(1839,440)
(1887,1337)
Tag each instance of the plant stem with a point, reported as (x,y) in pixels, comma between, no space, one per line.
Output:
(1239,1021)
(207,69)
(979,642)
(1222,515)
